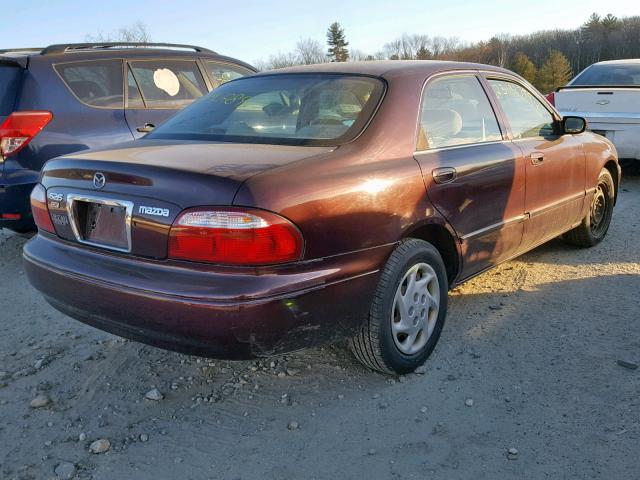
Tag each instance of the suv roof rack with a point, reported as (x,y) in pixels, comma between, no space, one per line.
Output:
(71,47)
(20,50)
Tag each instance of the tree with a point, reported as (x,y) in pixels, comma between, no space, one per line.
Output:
(524,67)
(337,43)
(555,72)
(136,33)
(310,51)
(423,53)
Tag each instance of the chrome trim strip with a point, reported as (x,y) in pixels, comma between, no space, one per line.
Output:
(128,206)
(495,226)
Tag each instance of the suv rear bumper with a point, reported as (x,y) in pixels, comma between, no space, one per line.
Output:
(195,309)
(14,199)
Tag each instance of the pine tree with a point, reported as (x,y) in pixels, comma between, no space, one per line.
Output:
(555,72)
(524,67)
(337,44)
(423,53)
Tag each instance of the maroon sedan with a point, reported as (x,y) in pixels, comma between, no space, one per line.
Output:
(311,204)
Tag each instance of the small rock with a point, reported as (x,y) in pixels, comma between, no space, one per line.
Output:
(423,410)
(375,395)
(82,437)
(100,446)
(144,437)
(40,401)
(48,443)
(293,425)
(292,372)
(340,397)
(371,451)
(281,374)
(154,394)
(469,402)
(629,365)
(495,307)
(65,470)
(421,370)
(512,453)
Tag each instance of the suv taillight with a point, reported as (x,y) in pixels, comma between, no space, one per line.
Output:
(19,128)
(552,98)
(40,210)
(234,236)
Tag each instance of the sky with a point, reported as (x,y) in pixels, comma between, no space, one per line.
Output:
(253,30)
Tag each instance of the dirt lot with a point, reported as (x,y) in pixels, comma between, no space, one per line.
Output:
(528,361)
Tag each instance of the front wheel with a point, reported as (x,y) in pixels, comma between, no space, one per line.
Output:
(595,225)
(408,310)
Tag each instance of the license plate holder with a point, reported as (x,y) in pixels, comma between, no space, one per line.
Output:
(100,221)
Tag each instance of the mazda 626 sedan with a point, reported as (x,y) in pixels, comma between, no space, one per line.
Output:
(317,203)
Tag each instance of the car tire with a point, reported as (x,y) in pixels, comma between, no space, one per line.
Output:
(403,328)
(595,225)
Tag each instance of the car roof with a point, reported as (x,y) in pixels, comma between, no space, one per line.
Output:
(87,51)
(620,62)
(384,68)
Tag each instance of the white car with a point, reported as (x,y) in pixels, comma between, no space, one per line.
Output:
(607,94)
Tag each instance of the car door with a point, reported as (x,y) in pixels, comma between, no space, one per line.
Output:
(156,89)
(474,175)
(554,163)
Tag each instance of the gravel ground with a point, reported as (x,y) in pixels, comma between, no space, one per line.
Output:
(528,381)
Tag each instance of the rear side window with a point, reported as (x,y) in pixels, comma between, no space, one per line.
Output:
(96,83)
(456,111)
(9,82)
(169,84)
(526,115)
(223,72)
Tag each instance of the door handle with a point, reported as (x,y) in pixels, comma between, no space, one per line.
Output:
(146,128)
(537,158)
(444,174)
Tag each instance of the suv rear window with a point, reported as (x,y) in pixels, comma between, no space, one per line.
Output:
(609,75)
(168,83)
(9,81)
(96,83)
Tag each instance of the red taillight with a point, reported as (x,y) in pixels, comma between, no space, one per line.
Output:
(234,237)
(552,98)
(19,128)
(40,210)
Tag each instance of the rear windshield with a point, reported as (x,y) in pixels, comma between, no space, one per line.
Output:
(290,109)
(609,76)
(9,82)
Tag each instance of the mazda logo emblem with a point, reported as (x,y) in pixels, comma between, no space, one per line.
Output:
(99,180)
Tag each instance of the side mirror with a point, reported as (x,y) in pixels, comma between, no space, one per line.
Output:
(573,125)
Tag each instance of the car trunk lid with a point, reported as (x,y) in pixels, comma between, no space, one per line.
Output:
(126,198)
(600,104)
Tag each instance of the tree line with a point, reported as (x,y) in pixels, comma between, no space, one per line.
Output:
(548,59)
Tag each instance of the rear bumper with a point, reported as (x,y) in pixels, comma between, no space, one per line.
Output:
(195,309)
(624,133)
(14,200)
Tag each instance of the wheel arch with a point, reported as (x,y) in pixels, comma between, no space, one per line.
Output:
(612,166)
(445,241)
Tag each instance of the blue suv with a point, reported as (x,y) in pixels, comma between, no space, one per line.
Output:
(65,98)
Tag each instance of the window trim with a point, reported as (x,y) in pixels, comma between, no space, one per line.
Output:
(458,73)
(157,59)
(121,60)
(534,93)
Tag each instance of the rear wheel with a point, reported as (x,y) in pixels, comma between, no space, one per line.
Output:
(595,225)
(408,310)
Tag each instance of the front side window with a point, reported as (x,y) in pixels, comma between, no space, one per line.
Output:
(96,83)
(295,109)
(456,111)
(171,84)
(223,72)
(526,115)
